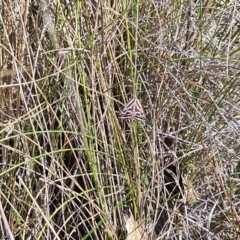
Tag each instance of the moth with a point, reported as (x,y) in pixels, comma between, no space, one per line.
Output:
(133,110)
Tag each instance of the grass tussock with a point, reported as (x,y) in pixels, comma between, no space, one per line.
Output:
(71,168)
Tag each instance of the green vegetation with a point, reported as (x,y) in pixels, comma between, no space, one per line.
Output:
(70,167)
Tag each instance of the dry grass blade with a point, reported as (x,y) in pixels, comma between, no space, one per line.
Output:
(71,166)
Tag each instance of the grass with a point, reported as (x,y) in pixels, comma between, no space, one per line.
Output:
(70,168)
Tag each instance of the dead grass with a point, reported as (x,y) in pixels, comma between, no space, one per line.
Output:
(70,168)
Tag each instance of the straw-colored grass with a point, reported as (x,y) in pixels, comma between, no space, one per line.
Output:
(71,168)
